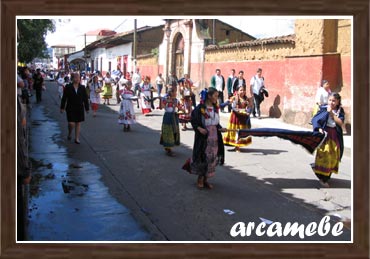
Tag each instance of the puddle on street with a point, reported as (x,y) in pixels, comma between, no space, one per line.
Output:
(68,201)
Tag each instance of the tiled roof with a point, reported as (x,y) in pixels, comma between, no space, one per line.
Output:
(119,38)
(288,39)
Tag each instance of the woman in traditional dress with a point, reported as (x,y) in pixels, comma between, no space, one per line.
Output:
(107,94)
(170,133)
(185,92)
(330,119)
(95,90)
(126,111)
(239,119)
(146,95)
(208,149)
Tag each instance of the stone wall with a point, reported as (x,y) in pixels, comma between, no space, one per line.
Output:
(267,52)
(344,37)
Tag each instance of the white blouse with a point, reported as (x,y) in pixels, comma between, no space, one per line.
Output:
(213,117)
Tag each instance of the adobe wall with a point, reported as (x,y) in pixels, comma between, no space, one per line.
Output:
(148,65)
(293,73)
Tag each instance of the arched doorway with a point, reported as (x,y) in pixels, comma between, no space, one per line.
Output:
(178,55)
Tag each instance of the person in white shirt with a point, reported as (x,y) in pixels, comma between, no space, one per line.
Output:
(61,84)
(256,84)
(159,81)
(136,81)
(218,82)
(322,96)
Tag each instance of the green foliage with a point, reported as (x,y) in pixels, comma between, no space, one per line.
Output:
(224,42)
(31,38)
(155,52)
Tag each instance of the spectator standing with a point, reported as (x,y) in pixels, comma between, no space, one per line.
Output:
(322,96)
(218,82)
(136,81)
(257,82)
(239,81)
(230,82)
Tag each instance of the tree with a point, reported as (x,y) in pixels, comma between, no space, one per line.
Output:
(31,38)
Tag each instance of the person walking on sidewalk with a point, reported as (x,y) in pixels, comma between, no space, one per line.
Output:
(208,149)
(218,82)
(170,133)
(257,83)
(74,101)
(330,119)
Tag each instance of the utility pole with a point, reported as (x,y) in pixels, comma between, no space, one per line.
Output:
(213,32)
(135,43)
(85,55)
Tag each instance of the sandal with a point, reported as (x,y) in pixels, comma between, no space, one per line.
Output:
(200,183)
(208,185)
(169,153)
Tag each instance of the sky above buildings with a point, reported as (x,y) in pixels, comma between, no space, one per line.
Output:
(72,28)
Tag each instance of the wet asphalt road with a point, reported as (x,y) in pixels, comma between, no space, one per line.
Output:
(68,201)
(122,186)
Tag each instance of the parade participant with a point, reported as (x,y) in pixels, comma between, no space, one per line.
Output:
(208,147)
(74,101)
(170,134)
(146,96)
(230,82)
(107,87)
(218,82)
(322,96)
(186,103)
(257,83)
(95,90)
(239,119)
(330,118)
(126,111)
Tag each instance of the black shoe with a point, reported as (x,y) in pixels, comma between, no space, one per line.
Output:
(77,142)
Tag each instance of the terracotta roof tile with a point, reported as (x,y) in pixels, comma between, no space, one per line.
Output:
(288,39)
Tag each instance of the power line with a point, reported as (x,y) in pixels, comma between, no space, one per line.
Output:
(120,25)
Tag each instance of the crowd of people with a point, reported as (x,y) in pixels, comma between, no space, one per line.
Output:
(79,92)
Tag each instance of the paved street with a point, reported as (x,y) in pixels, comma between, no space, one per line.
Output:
(270,179)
